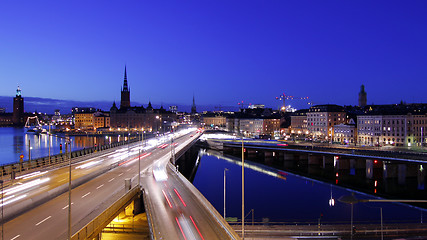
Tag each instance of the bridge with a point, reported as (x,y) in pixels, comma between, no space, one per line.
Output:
(35,206)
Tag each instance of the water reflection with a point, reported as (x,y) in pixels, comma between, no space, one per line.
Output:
(280,196)
(16,141)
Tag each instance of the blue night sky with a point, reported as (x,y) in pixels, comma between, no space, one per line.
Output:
(222,51)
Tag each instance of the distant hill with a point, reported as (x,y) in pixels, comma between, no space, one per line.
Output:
(48,105)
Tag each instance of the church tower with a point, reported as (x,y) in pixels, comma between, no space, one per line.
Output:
(362,96)
(125,99)
(18,108)
(193,107)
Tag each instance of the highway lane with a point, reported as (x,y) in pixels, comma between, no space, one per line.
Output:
(174,200)
(49,220)
(33,188)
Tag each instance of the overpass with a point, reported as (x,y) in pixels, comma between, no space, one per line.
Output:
(37,207)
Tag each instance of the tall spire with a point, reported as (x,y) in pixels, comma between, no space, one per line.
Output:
(125,83)
(125,98)
(193,107)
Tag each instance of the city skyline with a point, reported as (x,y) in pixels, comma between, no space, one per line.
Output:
(221,52)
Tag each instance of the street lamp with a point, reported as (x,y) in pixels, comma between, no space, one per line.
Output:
(243,191)
(225,170)
(68,141)
(1,182)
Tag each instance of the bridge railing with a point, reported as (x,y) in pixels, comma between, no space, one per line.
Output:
(95,226)
(211,209)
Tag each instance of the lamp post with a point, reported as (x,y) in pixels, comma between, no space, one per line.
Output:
(139,168)
(48,135)
(225,170)
(243,191)
(1,182)
(68,141)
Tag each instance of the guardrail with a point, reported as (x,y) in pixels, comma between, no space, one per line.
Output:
(211,209)
(90,230)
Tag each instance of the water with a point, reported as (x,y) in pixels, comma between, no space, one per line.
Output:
(15,141)
(285,197)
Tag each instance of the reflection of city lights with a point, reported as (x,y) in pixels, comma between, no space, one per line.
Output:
(331,202)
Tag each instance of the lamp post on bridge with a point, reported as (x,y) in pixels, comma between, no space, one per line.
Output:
(243,191)
(225,170)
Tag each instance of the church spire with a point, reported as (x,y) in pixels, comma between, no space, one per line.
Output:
(125,82)
(193,107)
(125,96)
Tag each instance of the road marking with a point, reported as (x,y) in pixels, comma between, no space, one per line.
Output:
(66,206)
(100,186)
(120,174)
(128,170)
(85,194)
(111,180)
(43,220)
(17,236)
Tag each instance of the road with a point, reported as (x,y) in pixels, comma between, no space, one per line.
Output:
(175,200)
(50,219)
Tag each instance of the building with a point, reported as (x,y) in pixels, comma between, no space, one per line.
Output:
(139,118)
(251,127)
(321,120)
(345,133)
(396,125)
(214,121)
(369,129)
(84,121)
(101,120)
(18,109)
(271,126)
(298,127)
(362,97)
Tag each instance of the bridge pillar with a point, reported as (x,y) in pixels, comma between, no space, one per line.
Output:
(252,153)
(288,157)
(303,157)
(401,174)
(288,160)
(352,167)
(268,157)
(327,160)
(369,168)
(340,163)
(421,177)
(389,170)
(313,159)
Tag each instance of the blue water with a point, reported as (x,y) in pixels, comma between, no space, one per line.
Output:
(15,141)
(290,198)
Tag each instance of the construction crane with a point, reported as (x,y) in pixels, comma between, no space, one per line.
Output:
(242,104)
(284,97)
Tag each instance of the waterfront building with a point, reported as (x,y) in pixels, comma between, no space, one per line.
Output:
(345,133)
(298,127)
(321,120)
(101,120)
(214,120)
(252,127)
(84,120)
(396,125)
